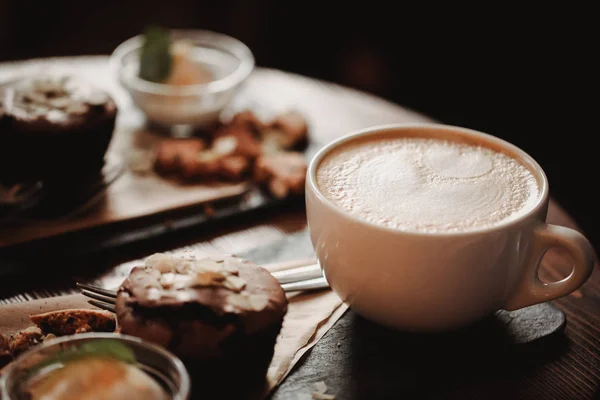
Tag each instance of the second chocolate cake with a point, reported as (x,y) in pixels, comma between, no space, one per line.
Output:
(53,126)
(218,314)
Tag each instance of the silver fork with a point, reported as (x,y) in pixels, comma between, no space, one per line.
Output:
(303,278)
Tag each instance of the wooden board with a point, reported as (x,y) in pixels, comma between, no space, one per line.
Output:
(132,196)
(139,207)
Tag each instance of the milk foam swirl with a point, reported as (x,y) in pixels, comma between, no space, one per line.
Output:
(426,185)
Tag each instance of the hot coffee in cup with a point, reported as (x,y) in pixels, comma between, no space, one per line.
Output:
(427,227)
(426,184)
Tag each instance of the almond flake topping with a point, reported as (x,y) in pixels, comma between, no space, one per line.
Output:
(258,301)
(62,94)
(234,283)
(207,278)
(178,273)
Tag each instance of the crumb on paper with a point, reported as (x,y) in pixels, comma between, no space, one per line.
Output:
(320,392)
(323,396)
(321,387)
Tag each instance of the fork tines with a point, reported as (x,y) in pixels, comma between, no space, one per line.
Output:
(102,305)
(100,297)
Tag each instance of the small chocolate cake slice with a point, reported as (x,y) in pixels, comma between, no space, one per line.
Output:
(71,321)
(53,125)
(220,315)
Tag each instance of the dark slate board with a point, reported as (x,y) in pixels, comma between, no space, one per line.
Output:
(359,359)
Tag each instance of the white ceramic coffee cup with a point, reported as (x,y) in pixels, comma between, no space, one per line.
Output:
(437,281)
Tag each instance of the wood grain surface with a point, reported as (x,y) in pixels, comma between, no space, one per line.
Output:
(358,359)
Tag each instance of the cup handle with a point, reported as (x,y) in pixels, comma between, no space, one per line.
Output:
(532,290)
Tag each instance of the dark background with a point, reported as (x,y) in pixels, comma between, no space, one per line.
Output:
(526,75)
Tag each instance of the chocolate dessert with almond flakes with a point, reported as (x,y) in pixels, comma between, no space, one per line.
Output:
(220,315)
(243,148)
(53,125)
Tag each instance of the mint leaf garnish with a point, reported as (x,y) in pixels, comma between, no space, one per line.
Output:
(108,348)
(97,348)
(155,57)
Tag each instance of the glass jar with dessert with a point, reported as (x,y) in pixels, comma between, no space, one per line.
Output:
(181,78)
(96,366)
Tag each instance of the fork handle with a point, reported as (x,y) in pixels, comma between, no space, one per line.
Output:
(298,274)
(309,284)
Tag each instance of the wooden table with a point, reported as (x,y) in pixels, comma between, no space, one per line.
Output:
(358,359)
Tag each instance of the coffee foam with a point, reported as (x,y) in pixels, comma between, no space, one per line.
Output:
(426,185)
